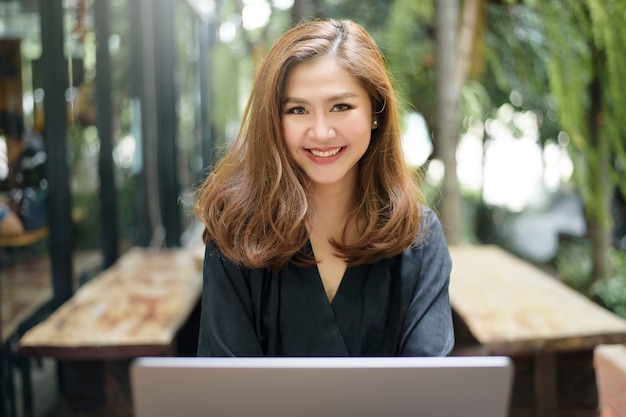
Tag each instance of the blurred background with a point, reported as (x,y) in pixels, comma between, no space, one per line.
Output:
(513,114)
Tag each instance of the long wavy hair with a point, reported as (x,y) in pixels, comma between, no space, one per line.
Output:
(255,204)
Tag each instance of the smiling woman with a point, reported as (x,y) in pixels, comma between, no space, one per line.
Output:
(327,122)
(317,243)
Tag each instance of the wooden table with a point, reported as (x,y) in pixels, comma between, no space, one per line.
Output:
(610,363)
(134,308)
(507,306)
(26,295)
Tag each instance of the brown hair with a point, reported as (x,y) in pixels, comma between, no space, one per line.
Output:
(254,203)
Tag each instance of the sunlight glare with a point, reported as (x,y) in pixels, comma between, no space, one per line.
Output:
(255,14)
(436,171)
(513,171)
(124,152)
(228,31)
(469,155)
(558,166)
(283,4)
(205,8)
(416,141)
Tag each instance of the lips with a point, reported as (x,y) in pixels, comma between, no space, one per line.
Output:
(325,153)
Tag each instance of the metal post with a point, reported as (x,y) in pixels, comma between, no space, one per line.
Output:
(206,40)
(140,45)
(55,83)
(108,195)
(166,109)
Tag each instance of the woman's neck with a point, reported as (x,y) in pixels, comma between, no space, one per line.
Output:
(332,206)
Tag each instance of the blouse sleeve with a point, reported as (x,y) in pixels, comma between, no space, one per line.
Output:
(428,330)
(226,321)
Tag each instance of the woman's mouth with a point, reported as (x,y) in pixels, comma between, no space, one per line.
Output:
(326,153)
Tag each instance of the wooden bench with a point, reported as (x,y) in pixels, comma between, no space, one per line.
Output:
(506,306)
(26,295)
(610,364)
(134,308)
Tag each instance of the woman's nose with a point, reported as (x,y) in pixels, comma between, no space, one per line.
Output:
(322,129)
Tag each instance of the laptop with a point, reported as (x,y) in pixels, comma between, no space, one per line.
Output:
(452,386)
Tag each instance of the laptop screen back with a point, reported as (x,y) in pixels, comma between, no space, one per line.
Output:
(316,387)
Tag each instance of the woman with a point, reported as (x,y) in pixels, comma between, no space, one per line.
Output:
(316,241)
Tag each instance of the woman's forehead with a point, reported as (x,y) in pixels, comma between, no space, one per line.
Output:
(321,77)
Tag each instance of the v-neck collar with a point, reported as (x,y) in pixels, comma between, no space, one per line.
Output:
(321,312)
(308,249)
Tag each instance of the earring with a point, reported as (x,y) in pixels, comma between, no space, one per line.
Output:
(375,122)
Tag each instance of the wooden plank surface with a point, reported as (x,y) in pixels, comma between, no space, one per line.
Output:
(27,287)
(610,365)
(133,308)
(511,306)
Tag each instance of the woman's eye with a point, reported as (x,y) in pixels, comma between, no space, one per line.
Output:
(341,107)
(296,110)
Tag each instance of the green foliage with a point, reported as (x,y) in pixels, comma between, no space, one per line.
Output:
(585,40)
(569,67)
(516,56)
(475,103)
(609,30)
(612,292)
(515,46)
(372,14)
(409,45)
(574,264)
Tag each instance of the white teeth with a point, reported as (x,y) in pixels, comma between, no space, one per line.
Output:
(325,154)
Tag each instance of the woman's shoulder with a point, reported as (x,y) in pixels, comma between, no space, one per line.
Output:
(428,258)
(429,225)
(430,239)
(214,255)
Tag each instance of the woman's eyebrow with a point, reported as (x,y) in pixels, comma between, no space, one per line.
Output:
(341,96)
(294,100)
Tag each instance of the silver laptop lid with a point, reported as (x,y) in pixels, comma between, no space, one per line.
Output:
(315,387)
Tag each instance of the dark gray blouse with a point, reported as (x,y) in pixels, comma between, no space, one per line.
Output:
(396,307)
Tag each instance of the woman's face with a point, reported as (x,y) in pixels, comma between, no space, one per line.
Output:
(327,121)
